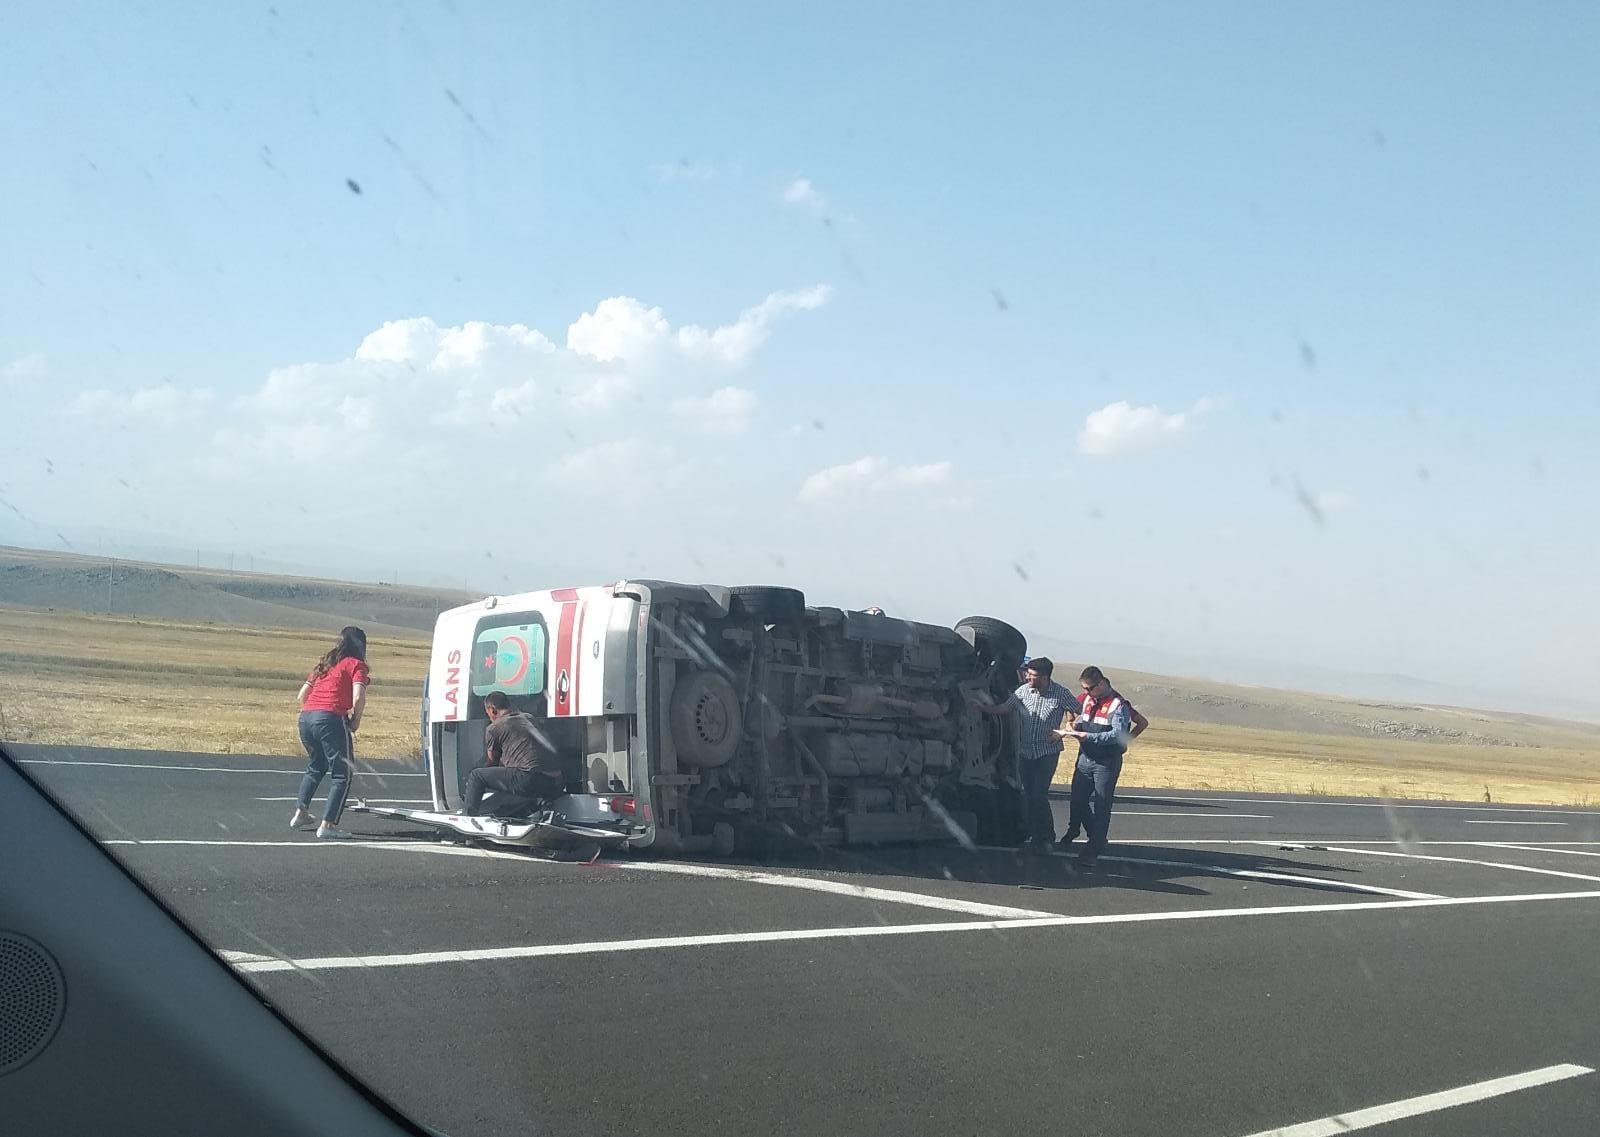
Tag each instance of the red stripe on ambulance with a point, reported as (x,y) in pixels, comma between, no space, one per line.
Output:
(577,659)
(564,703)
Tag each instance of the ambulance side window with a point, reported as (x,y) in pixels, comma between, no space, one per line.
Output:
(509,658)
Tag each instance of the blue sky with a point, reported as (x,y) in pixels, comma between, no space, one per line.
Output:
(1240,331)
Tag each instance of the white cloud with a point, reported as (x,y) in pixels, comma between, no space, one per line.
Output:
(509,402)
(1122,427)
(164,403)
(735,343)
(608,463)
(413,378)
(23,367)
(726,410)
(420,342)
(802,193)
(871,475)
(932,474)
(622,329)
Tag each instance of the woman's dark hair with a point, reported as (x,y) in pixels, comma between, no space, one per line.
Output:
(352,645)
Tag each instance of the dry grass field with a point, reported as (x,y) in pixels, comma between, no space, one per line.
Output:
(96,680)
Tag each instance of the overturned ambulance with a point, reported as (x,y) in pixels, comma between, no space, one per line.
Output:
(720,718)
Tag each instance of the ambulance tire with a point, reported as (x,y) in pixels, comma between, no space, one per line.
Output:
(995,638)
(768,604)
(707,722)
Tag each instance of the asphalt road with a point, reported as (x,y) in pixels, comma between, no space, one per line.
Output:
(1238,964)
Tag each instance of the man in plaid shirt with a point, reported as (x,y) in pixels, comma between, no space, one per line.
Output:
(1039,705)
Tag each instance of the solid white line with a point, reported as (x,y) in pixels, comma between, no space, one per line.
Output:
(1390,804)
(596,947)
(1546,849)
(1428,1103)
(1514,823)
(1262,874)
(206,769)
(1313,842)
(375,800)
(1253,874)
(308,842)
(1461,861)
(841,888)
(1192,817)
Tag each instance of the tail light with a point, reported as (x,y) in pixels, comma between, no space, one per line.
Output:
(624,805)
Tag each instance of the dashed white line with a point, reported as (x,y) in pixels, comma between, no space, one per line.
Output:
(1341,1123)
(597,947)
(1514,823)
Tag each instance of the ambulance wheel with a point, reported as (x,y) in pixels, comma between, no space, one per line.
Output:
(707,723)
(768,604)
(994,638)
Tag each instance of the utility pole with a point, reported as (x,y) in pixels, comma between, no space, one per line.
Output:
(111,579)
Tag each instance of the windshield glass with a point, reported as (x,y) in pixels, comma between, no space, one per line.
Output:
(891,568)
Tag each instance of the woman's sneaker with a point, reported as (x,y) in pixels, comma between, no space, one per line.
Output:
(301,819)
(333,832)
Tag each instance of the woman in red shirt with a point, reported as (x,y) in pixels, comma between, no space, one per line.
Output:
(331,701)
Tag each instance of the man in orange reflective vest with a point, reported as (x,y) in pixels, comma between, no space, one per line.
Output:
(1103,729)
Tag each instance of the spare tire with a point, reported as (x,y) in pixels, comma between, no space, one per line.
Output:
(995,638)
(706,720)
(768,604)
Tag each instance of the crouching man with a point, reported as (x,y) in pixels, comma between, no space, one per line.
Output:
(522,761)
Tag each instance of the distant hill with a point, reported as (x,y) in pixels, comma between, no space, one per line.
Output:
(168,592)
(67,581)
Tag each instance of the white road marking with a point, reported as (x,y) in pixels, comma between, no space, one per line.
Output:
(1461,861)
(374,800)
(1514,823)
(207,769)
(1193,817)
(1262,874)
(841,888)
(1390,804)
(308,842)
(1341,1123)
(811,884)
(596,947)
(1546,849)
(1315,842)
(1255,874)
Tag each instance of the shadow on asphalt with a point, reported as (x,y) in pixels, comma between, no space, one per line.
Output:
(1004,868)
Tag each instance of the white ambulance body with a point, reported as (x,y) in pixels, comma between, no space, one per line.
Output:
(730,715)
